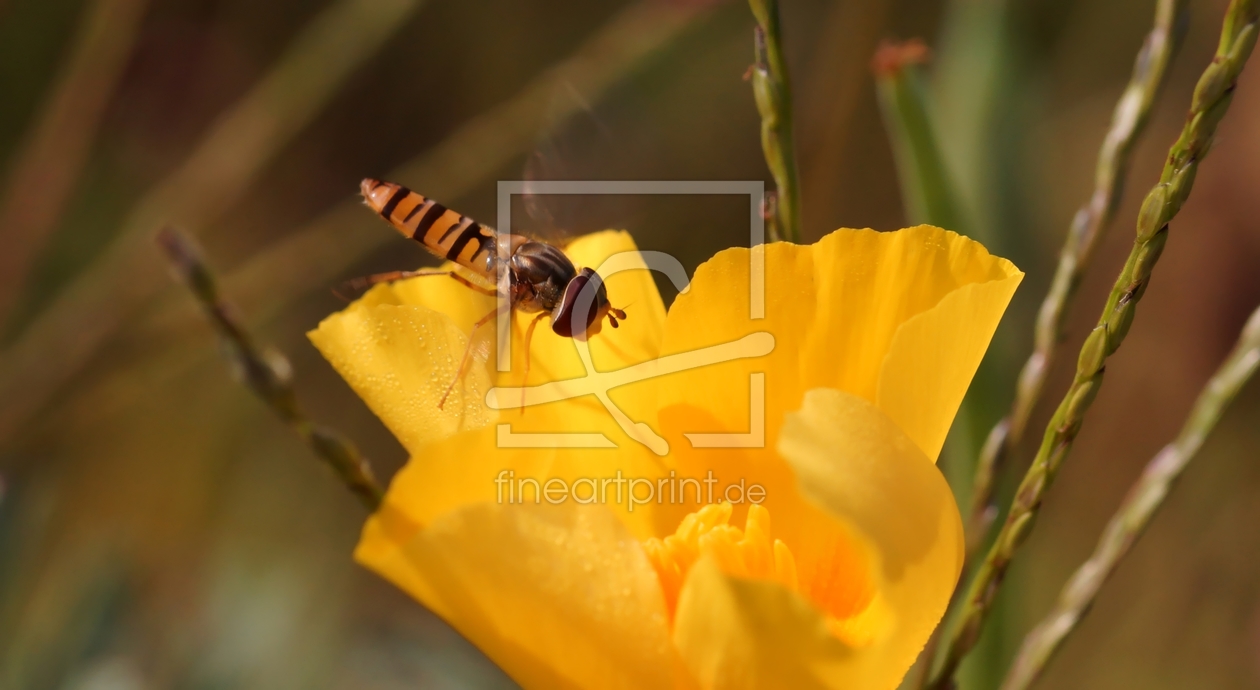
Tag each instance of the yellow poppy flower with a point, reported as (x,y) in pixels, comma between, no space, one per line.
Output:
(815,546)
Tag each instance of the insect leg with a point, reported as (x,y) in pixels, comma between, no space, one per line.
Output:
(469,284)
(389,277)
(529,336)
(463,363)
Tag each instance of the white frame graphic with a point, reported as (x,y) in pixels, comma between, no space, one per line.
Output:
(599,383)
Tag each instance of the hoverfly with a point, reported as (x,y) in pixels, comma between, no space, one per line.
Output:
(537,278)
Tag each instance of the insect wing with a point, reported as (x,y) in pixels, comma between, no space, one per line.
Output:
(576,144)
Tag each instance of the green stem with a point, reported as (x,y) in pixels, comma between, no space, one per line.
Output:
(773,92)
(1211,100)
(929,196)
(926,187)
(1150,72)
(266,372)
(1137,510)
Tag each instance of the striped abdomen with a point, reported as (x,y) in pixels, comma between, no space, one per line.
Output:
(442,231)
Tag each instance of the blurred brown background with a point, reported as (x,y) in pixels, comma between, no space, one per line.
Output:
(160,529)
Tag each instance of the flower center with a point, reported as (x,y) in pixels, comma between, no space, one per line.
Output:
(837,579)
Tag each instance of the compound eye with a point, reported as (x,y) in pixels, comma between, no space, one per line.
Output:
(579,310)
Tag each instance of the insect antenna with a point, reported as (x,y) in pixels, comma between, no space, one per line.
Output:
(615,314)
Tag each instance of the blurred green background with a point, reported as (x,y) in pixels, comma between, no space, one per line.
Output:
(160,529)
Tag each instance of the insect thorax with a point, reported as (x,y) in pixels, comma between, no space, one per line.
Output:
(539,273)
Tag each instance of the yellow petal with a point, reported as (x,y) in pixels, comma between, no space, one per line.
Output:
(557,596)
(462,305)
(736,633)
(836,309)
(400,359)
(855,463)
(480,467)
(933,356)
(874,535)
(400,344)
(638,339)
